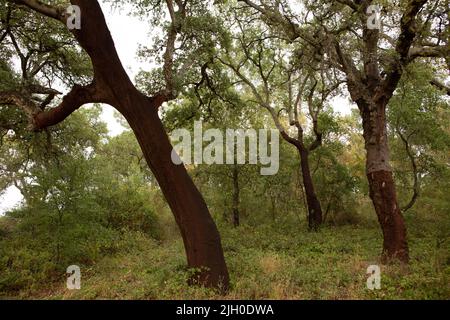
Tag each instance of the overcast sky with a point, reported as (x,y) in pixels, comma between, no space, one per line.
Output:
(128,33)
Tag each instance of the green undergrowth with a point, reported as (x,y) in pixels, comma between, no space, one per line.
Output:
(271,261)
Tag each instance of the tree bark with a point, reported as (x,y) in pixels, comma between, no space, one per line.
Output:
(381,183)
(314,208)
(200,235)
(236,193)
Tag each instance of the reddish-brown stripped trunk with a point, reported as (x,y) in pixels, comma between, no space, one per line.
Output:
(381,183)
(112,85)
(200,235)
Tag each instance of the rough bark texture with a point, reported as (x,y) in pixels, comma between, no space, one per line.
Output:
(384,198)
(112,85)
(314,208)
(382,186)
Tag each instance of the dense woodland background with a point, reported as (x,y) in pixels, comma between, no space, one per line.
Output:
(92,200)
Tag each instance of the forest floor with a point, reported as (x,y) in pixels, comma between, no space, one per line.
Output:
(273,261)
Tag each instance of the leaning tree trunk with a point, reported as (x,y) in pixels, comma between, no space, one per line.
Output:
(381,184)
(112,85)
(314,208)
(198,230)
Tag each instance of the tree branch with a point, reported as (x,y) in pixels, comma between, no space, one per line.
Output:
(43,8)
(77,97)
(408,30)
(18,99)
(416,186)
(428,52)
(440,85)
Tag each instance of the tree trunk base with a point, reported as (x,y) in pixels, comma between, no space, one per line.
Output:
(384,198)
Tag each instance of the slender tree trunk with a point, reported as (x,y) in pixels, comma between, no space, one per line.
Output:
(416,185)
(314,208)
(301,187)
(236,193)
(381,184)
(327,210)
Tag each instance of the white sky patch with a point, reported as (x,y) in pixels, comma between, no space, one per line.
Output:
(341,105)
(10,199)
(109,117)
(128,33)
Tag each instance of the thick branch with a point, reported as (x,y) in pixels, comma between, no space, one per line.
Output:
(348,66)
(314,116)
(19,99)
(76,98)
(170,50)
(408,30)
(370,53)
(43,8)
(95,38)
(428,52)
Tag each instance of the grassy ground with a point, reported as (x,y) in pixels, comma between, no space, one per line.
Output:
(273,261)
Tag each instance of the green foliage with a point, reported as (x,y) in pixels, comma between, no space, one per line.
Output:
(77,204)
(336,186)
(50,55)
(274,261)
(418,121)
